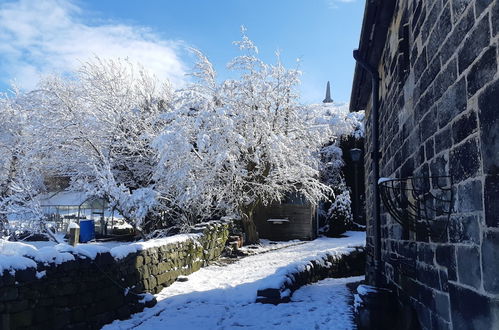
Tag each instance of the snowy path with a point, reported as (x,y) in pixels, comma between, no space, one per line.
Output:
(222,297)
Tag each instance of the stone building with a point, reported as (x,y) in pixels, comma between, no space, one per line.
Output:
(438,115)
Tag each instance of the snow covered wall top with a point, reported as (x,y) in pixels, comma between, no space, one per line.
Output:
(99,283)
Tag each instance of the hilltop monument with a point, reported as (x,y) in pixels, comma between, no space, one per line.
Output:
(328,98)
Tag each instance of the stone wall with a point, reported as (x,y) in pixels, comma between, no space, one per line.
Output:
(439,114)
(86,293)
(326,266)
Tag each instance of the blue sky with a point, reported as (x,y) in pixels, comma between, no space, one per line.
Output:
(40,37)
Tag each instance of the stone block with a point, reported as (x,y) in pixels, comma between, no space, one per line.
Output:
(471,310)
(77,315)
(465,160)
(464,127)
(482,71)
(456,37)
(17,305)
(439,323)
(21,319)
(433,12)
(25,275)
(8,293)
(444,256)
(428,124)
(445,79)
(469,196)
(441,306)
(489,128)
(480,6)
(442,27)
(490,264)
(428,275)
(491,195)
(420,65)
(438,167)
(426,80)
(425,253)
(443,140)
(476,41)
(429,148)
(453,102)
(444,280)
(41,314)
(495,14)
(458,8)
(468,265)
(465,229)
(139,261)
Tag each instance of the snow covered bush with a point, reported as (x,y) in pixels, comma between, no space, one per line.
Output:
(336,214)
(339,214)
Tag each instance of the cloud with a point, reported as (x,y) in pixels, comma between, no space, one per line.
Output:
(333,4)
(39,37)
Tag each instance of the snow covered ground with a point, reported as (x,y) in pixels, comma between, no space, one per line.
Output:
(222,297)
(267,245)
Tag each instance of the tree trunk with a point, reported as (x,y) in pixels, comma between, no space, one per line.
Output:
(249,226)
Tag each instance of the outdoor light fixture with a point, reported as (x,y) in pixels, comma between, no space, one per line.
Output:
(355,154)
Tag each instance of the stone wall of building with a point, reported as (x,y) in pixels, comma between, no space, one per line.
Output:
(439,115)
(88,293)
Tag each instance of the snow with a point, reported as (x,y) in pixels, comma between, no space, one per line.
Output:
(218,297)
(366,289)
(323,305)
(13,263)
(381,180)
(122,251)
(68,198)
(21,255)
(266,245)
(146,297)
(73,225)
(41,274)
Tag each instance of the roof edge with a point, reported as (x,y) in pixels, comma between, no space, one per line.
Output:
(378,16)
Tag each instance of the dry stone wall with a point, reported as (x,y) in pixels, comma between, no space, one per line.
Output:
(329,265)
(86,293)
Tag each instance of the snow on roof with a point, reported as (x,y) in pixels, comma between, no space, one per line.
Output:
(66,198)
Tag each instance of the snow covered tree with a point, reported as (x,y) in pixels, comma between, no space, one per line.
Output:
(100,124)
(21,175)
(242,142)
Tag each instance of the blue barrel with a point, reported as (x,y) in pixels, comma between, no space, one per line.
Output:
(87,230)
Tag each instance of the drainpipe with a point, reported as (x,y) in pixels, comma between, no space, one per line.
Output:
(375,155)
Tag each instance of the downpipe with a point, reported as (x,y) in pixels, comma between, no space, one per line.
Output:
(375,155)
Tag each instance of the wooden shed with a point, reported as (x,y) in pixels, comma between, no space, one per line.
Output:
(294,218)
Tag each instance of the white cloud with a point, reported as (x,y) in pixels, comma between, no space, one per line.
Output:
(333,4)
(38,37)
